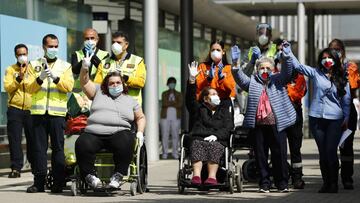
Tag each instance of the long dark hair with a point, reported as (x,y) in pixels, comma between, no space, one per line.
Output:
(105,83)
(336,72)
(209,61)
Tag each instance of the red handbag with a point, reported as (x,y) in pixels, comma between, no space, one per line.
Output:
(75,125)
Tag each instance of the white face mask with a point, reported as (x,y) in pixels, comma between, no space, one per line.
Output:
(216,56)
(263,39)
(116,48)
(52,53)
(22,59)
(215,100)
(90,42)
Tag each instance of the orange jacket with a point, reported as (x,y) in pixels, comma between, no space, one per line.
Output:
(297,89)
(353,75)
(225,87)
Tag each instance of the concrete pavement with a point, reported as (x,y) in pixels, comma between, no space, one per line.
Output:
(162,185)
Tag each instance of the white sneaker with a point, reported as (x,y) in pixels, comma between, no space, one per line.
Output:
(115,180)
(93,181)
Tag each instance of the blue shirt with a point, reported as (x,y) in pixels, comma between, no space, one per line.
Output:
(325,102)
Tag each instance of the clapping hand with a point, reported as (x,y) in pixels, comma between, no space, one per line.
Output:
(235,54)
(86,62)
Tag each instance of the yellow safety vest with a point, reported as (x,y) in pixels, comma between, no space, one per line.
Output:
(128,67)
(80,56)
(49,98)
(270,53)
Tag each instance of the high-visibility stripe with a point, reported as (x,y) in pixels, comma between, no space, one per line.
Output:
(51,90)
(51,108)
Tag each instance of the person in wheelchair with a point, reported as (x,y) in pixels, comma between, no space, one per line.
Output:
(210,131)
(113,112)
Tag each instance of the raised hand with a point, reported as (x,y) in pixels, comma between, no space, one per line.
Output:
(235,54)
(193,70)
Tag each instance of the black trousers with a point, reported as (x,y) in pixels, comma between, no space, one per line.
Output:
(327,134)
(17,120)
(294,134)
(266,137)
(121,144)
(43,126)
(347,152)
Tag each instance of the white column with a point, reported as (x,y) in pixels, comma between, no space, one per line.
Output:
(151,88)
(281,26)
(325,24)
(296,28)
(272,22)
(329,27)
(108,37)
(30,9)
(320,34)
(301,32)
(289,28)
(263,19)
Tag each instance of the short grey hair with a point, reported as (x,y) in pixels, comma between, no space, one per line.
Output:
(264,59)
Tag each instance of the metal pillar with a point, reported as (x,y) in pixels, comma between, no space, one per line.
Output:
(213,34)
(301,32)
(281,26)
(325,39)
(320,33)
(127,9)
(311,37)
(30,9)
(186,13)
(162,18)
(289,27)
(329,28)
(151,88)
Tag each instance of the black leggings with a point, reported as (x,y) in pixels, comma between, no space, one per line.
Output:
(120,144)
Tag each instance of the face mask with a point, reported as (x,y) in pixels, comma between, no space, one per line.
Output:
(264,74)
(216,56)
(22,59)
(327,63)
(116,48)
(263,39)
(339,54)
(51,53)
(214,100)
(172,85)
(116,91)
(90,42)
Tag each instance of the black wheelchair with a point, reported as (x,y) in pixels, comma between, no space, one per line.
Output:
(228,175)
(104,165)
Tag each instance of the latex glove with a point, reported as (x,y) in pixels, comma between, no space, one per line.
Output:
(50,74)
(86,62)
(220,73)
(255,54)
(44,63)
(193,70)
(88,49)
(235,54)
(286,48)
(43,75)
(210,138)
(140,136)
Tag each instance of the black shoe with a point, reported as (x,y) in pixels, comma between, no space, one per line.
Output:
(14,174)
(298,184)
(56,189)
(348,186)
(333,188)
(324,189)
(34,189)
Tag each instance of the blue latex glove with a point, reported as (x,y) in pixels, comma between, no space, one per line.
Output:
(235,54)
(255,54)
(286,48)
(211,72)
(88,49)
(220,73)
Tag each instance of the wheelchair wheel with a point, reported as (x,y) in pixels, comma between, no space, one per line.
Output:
(230,175)
(133,188)
(142,170)
(180,176)
(49,182)
(238,178)
(250,170)
(83,187)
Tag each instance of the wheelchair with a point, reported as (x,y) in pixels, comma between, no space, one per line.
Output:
(104,166)
(228,175)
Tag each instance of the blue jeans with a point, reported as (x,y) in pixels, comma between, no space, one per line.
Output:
(327,134)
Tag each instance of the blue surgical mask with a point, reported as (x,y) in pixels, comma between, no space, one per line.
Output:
(52,53)
(172,85)
(116,91)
